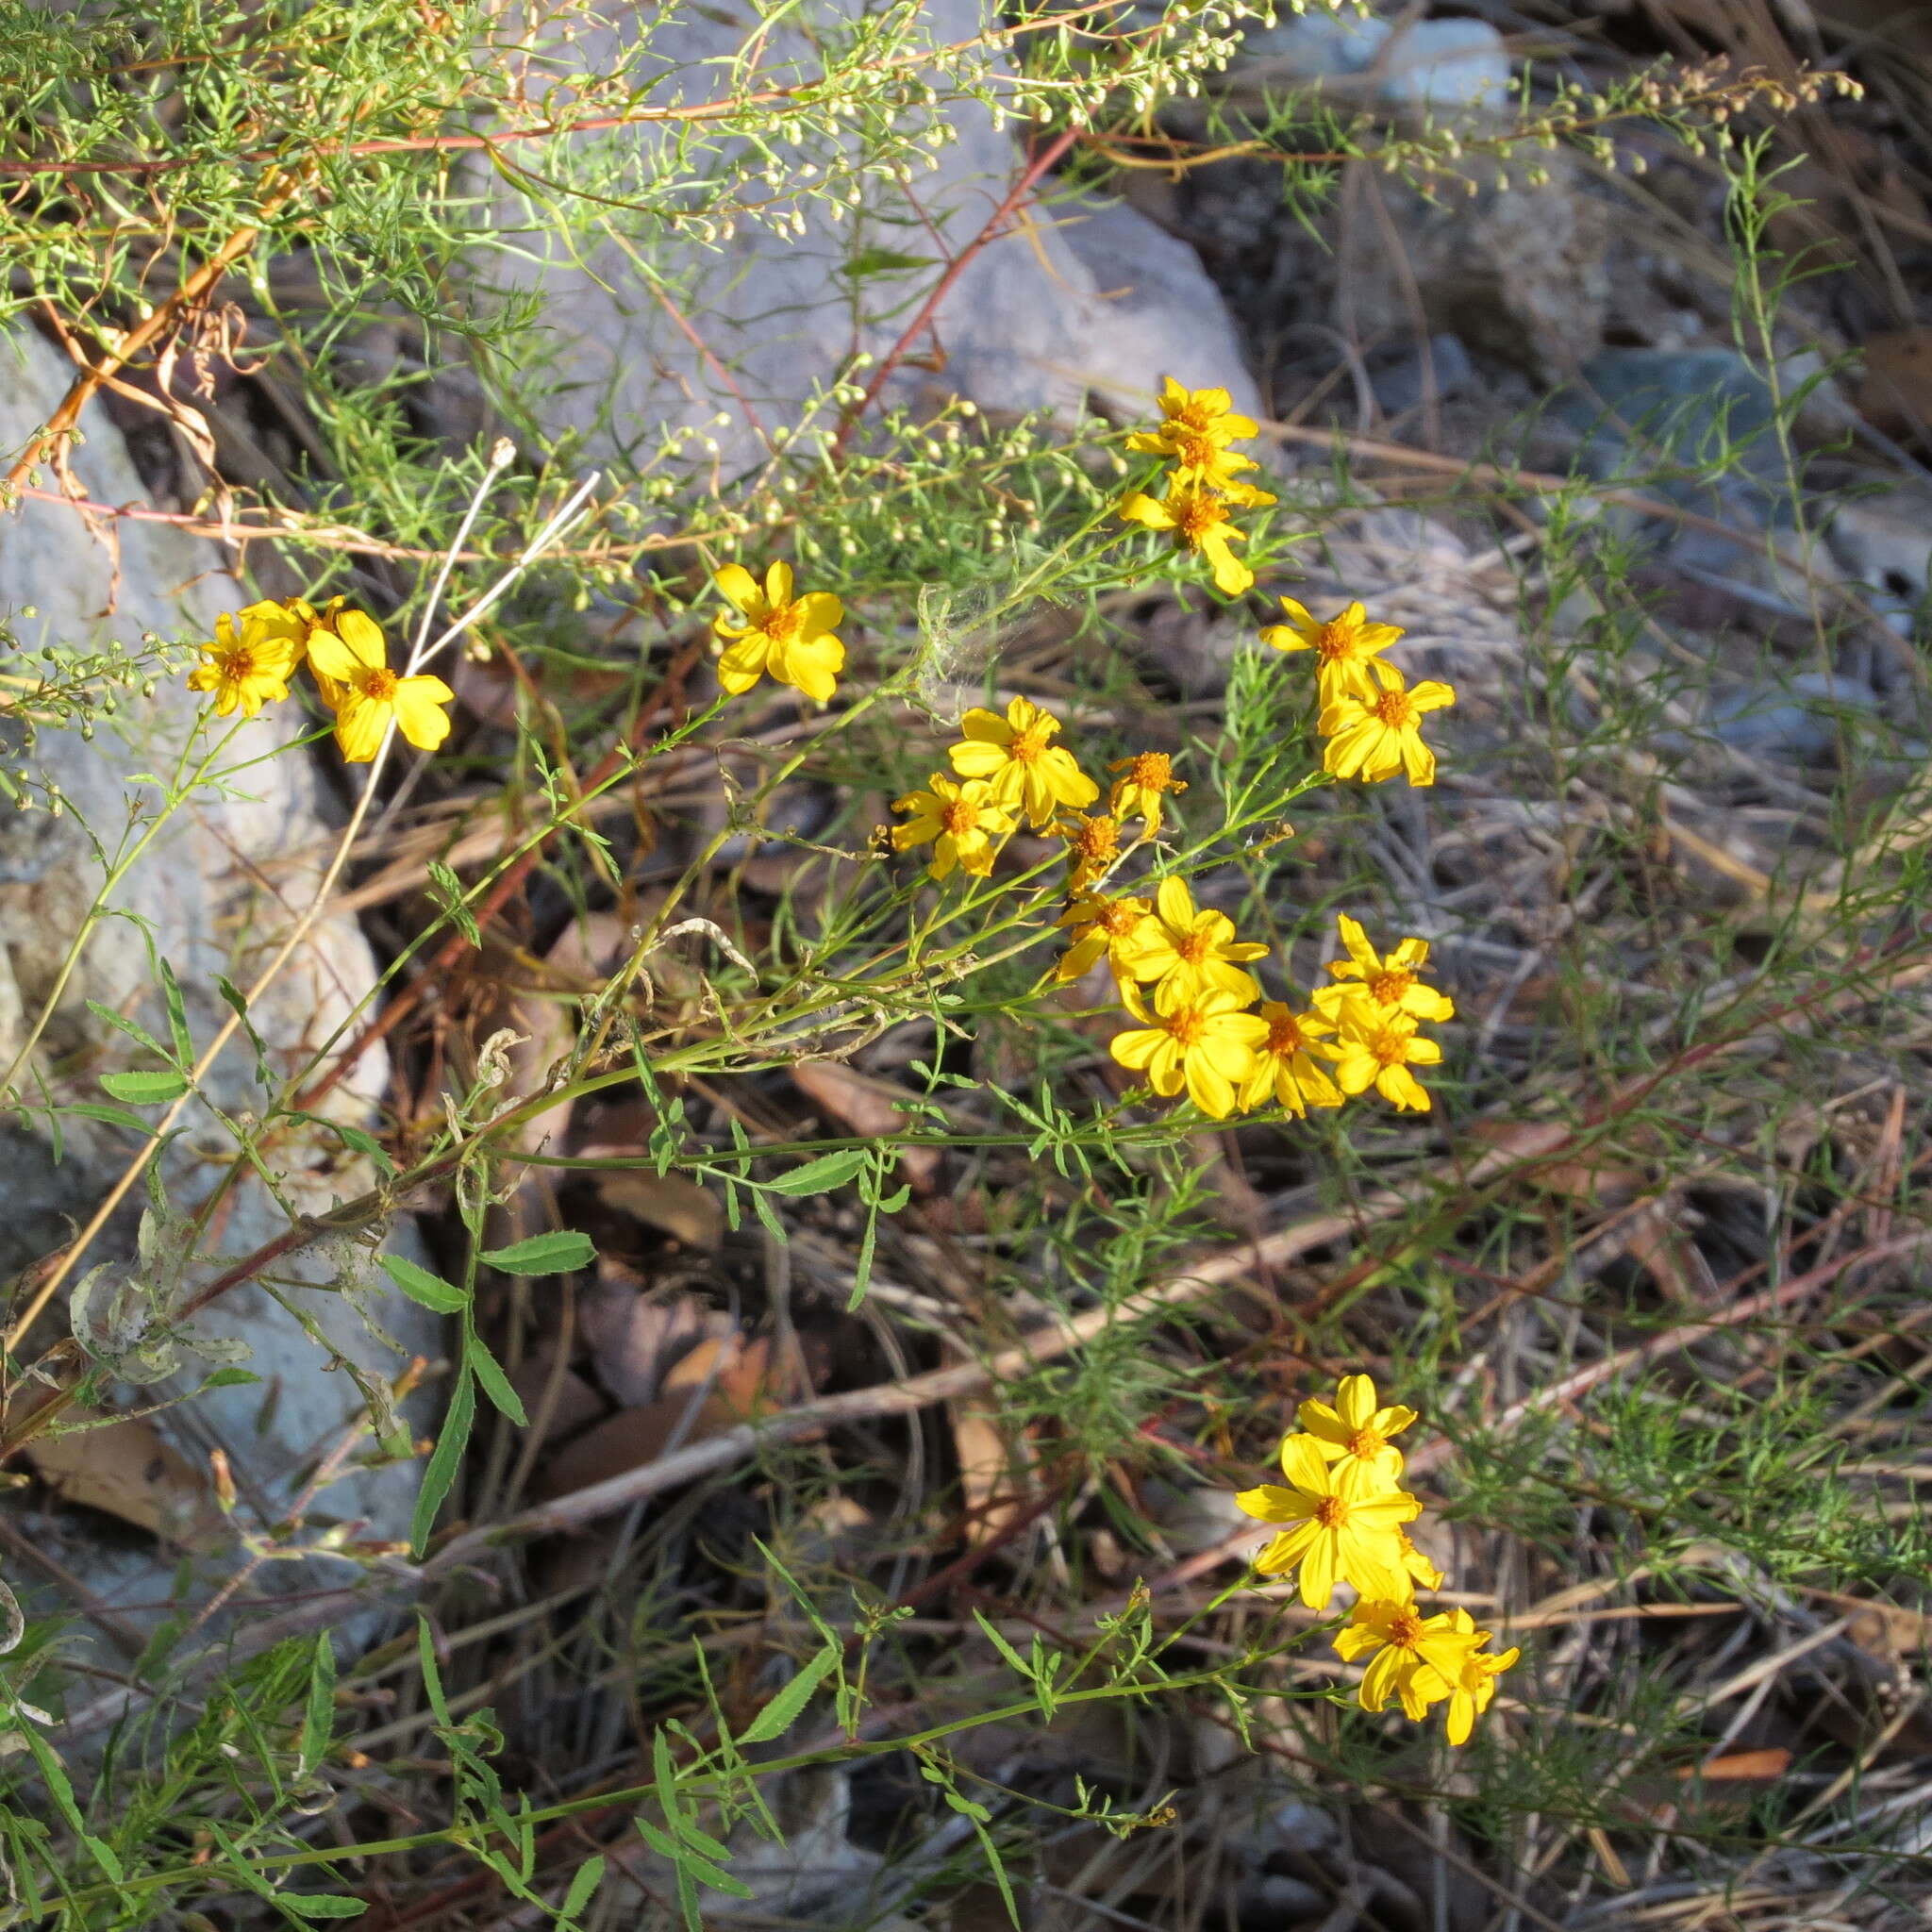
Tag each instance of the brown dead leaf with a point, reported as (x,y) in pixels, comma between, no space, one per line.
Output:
(637,1339)
(1770,1761)
(128,1469)
(666,1201)
(1895,391)
(635,1436)
(995,1479)
(866,1106)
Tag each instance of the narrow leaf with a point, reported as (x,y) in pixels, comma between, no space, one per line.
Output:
(448,1454)
(493,1381)
(780,1714)
(143,1088)
(562,1252)
(822,1175)
(432,1290)
(177,1017)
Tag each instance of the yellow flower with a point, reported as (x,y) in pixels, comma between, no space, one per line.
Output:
(1014,753)
(1416,1658)
(1376,740)
(350,662)
(1353,1427)
(1187,415)
(1184,950)
(1148,776)
(1201,1041)
(1344,1524)
(1101,925)
(249,667)
(791,638)
(1392,983)
(1094,842)
(965,824)
(1345,649)
(1419,1567)
(1284,1065)
(1378,1049)
(1198,518)
(1469,1690)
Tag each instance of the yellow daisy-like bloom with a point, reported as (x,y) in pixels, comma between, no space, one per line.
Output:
(965,824)
(1378,1049)
(1377,739)
(1203,1041)
(788,637)
(1469,1689)
(1025,768)
(1344,1524)
(1286,1070)
(1185,949)
(1415,1657)
(254,654)
(1199,520)
(1094,842)
(1354,1427)
(1391,983)
(1103,927)
(1419,1567)
(1346,650)
(1145,779)
(351,665)
(1189,415)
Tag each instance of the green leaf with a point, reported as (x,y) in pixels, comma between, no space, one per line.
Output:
(1020,1666)
(449,899)
(688,1860)
(780,1714)
(869,262)
(177,1016)
(589,1876)
(365,1143)
(133,1028)
(145,1088)
(822,1175)
(762,1207)
(230,1378)
(230,992)
(113,1116)
(319,1713)
(432,1290)
(323,1904)
(444,1460)
(562,1252)
(493,1381)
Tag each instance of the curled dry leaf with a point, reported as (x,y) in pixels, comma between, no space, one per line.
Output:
(638,1340)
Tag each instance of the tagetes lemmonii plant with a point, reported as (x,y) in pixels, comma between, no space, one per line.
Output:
(257,650)
(791,639)
(1340,1520)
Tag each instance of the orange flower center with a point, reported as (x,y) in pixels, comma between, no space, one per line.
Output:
(1334,641)
(1029,744)
(1097,840)
(959,817)
(1396,709)
(1331,1512)
(1388,988)
(380,685)
(1367,1443)
(1405,1630)
(1390,1047)
(1285,1035)
(240,665)
(1188,1027)
(782,624)
(1153,770)
(1119,919)
(1196,513)
(1194,450)
(1194,947)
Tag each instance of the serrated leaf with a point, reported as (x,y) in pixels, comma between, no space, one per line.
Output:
(112,1116)
(561,1252)
(782,1712)
(449,898)
(432,1290)
(231,993)
(688,1861)
(493,1381)
(132,1028)
(318,1708)
(589,1876)
(441,1475)
(143,1088)
(767,1214)
(822,1175)
(365,1143)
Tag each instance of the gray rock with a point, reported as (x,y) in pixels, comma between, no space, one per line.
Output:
(1398,383)
(1081,295)
(1801,721)
(205,898)
(1427,65)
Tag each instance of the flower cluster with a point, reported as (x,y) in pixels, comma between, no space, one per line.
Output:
(1204,484)
(1340,1517)
(256,651)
